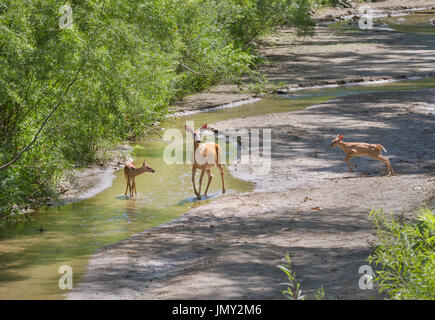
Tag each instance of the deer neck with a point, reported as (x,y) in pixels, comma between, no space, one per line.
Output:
(137,171)
(196,144)
(342,145)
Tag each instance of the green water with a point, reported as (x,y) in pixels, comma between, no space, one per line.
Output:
(416,22)
(30,259)
(419,22)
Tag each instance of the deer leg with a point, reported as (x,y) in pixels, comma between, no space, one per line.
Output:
(391,168)
(200,183)
(386,161)
(127,182)
(134,186)
(193,180)
(222,176)
(349,164)
(210,177)
(130,184)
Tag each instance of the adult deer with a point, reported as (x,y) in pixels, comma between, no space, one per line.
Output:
(205,156)
(360,149)
(130,173)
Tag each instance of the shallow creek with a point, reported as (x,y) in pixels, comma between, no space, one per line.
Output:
(30,259)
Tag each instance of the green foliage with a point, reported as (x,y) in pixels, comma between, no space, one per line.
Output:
(335,3)
(320,294)
(247,20)
(293,291)
(263,85)
(111,76)
(406,252)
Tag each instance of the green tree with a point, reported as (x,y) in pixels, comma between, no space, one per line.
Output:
(66,95)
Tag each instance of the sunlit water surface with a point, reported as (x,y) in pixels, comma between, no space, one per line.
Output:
(30,259)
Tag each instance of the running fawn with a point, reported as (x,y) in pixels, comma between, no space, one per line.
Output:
(360,149)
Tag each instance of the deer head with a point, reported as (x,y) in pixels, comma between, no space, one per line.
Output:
(337,140)
(197,134)
(147,168)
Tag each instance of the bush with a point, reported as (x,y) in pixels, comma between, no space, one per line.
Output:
(66,95)
(406,253)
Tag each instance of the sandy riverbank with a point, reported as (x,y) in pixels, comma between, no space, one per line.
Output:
(331,56)
(229,249)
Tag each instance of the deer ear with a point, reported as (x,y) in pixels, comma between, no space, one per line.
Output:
(204,127)
(340,137)
(188,129)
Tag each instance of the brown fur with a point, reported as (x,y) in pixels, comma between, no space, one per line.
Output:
(130,173)
(205,157)
(361,149)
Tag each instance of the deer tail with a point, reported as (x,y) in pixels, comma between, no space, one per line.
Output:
(381,147)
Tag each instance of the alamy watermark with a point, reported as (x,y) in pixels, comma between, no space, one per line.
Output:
(366,280)
(66,20)
(243,146)
(66,280)
(365,22)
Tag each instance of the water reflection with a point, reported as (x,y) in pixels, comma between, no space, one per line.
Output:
(131,206)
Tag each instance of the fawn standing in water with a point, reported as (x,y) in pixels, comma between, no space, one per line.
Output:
(130,173)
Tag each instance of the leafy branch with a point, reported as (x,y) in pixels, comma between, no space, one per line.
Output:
(35,137)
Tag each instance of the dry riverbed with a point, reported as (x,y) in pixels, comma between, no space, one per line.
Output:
(331,56)
(309,205)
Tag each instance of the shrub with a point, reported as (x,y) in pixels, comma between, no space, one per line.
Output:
(293,291)
(406,253)
(66,95)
